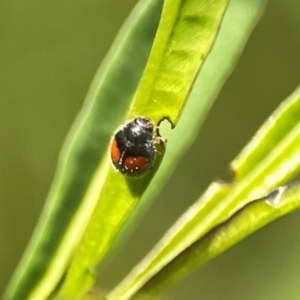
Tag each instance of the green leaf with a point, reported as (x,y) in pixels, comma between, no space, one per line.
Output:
(185,35)
(89,201)
(69,206)
(221,202)
(248,219)
(228,205)
(216,69)
(156,97)
(271,168)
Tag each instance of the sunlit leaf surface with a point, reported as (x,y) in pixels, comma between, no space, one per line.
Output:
(89,201)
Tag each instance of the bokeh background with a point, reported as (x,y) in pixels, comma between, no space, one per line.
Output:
(49,52)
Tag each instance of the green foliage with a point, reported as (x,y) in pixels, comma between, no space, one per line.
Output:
(158,54)
(225,214)
(247,220)
(157,96)
(88,196)
(74,194)
(175,60)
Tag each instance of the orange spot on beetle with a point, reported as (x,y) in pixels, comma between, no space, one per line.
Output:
(135,163)
(115,152)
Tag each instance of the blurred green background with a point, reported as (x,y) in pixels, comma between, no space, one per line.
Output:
(49,52)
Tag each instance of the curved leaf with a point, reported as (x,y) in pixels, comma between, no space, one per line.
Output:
(69,205)
(216,69)
(221,202)
(88,196)
(119,195)
(248,219)
(185,35)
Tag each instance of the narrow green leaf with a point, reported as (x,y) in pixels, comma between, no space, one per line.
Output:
(233,34)
(269,135)
(185,35)
(244,222)
(119,195)
(89,202)
(220,202)
(74,192)
(239,20)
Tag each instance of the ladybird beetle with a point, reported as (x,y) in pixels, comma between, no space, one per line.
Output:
(133,147)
